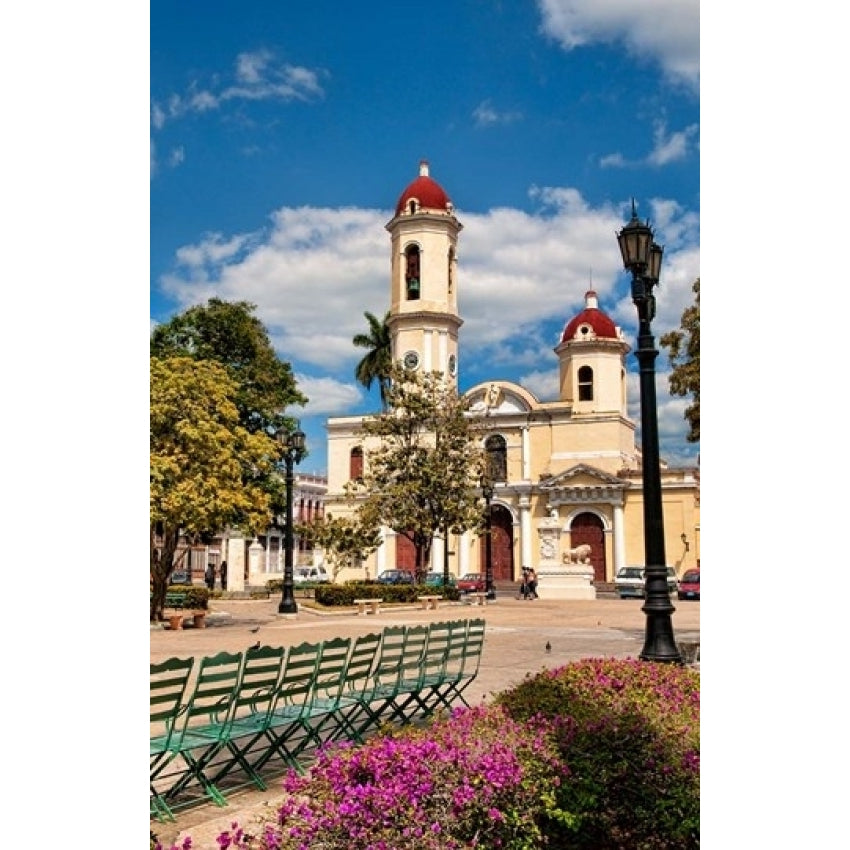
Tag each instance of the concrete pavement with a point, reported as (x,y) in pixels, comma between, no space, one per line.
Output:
(515,644)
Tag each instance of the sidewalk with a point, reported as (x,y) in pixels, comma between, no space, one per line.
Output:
(515,644)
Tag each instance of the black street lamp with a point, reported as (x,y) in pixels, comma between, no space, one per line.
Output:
(293,451)
(642,258)
(487,491)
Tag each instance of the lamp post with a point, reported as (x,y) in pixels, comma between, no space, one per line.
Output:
(487,490)
(642,258)
(293,451)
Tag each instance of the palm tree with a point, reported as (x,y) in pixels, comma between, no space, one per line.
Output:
(376,363)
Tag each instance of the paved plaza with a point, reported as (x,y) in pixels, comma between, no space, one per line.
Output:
(515,644)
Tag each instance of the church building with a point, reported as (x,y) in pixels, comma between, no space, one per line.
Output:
(567,494)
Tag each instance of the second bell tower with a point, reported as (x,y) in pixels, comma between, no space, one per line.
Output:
(424,318)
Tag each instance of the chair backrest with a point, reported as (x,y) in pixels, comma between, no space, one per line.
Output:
(390,654)
(330,673)
(299,673)
(211,700)
(415,643)
(474,646)
(361,662)
(434,659)
(169,681)
(258,683)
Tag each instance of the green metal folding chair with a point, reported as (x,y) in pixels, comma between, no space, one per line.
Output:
(358,674)
(324,698)
(285,728)
(409,681)
(421,701)
(169,681)
(462,664)
(363,716)
(203,727)
(252,705)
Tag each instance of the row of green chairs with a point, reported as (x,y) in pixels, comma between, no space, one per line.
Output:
(239,715)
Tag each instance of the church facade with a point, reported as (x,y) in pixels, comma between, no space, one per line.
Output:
(567,472)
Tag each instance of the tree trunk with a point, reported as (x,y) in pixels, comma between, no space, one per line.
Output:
(162,565)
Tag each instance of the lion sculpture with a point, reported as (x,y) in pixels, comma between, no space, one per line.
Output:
(579,555)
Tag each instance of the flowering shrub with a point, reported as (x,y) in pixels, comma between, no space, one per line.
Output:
(477,779)
(629,733)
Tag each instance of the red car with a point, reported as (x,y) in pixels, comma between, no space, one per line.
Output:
(471,583)
(689,585)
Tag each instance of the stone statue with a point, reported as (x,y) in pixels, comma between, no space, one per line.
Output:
(547,548)
(579,555)
(493,396)
(553,513)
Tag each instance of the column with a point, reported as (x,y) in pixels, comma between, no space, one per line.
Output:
(619,538)
(525,533)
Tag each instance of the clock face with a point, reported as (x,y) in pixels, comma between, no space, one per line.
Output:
(411,360)
(452,365)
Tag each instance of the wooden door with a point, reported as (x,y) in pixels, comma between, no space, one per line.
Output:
(502,545)
(587,528)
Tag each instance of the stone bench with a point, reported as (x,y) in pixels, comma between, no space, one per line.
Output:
(431,602)
(371,604)
(478,598)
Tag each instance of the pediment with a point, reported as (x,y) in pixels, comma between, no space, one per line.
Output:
(581,475)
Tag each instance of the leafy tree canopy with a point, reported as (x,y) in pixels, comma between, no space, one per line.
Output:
(346,541)
(230,333)
(683,349)
(423,474)
(207,471)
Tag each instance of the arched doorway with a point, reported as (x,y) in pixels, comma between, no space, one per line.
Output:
(502,546)
(588,528)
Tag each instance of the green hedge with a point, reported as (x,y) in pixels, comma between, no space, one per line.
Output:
(196,596)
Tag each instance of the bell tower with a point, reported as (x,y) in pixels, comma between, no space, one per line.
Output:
(424,318)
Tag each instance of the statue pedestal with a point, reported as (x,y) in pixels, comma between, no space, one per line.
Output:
(554,579)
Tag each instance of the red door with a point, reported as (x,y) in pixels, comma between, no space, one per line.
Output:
(405,554)
(502,545)
(587,528)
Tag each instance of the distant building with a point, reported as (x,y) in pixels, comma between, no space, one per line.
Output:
(568,470)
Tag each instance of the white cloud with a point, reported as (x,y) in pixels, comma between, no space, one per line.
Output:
(485,115)
(256,77)
(671,148)
(314,271)
(665,31)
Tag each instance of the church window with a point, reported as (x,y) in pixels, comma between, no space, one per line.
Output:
(496,450)
(585,384)
(411,275)
(355,467)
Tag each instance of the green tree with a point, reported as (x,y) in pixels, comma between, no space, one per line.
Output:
(683,350)
(346,541)
(377,361)
(422,476)
(207,471)
(230,333)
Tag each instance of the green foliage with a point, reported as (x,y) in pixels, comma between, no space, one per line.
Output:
(377,361)
(206,470)
(229,333)
(683,350)
(194,596)
(629,732)
(422,473)
(346,541)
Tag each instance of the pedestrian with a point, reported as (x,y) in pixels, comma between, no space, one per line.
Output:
(523,588)
(209,576)
(531,578)
(224,575)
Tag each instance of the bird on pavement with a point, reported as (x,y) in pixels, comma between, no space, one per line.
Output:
(548,646)
(255,646)
(255,629)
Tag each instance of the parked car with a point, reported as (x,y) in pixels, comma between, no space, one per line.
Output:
(436,579)
(396,577)
(304,574)
(471,583)
(630,581)
(689,584)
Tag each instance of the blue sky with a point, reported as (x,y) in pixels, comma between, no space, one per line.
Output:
(281,136)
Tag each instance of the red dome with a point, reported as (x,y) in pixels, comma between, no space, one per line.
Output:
(591,315)
(426,191)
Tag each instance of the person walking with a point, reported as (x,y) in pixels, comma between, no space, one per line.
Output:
(524,588)
(224,575)
(209,576)
(531,579)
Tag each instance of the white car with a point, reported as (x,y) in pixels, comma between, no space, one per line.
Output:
(300,575)
(629,581)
